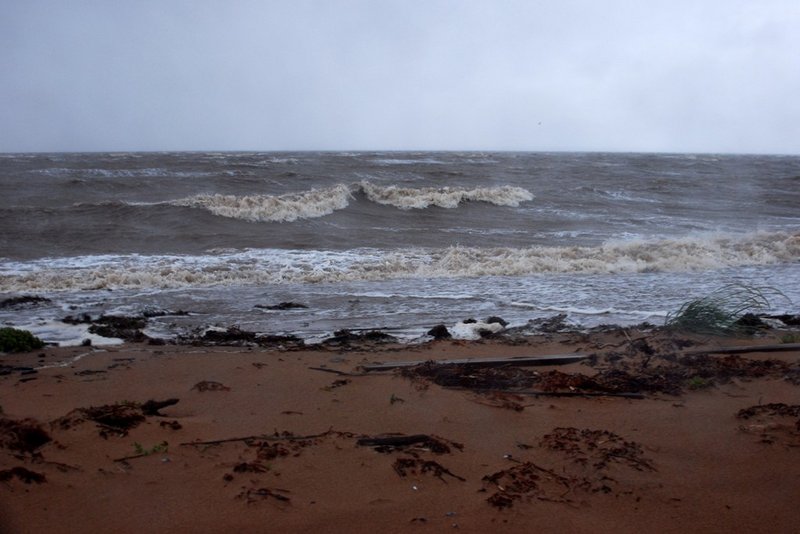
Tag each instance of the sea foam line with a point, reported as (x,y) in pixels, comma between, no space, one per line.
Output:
(275,266)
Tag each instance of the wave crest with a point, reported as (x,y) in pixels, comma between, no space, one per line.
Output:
(269,208)
(443,197)
(321,202)
(274,266)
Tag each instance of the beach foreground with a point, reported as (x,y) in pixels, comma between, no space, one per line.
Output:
(260,440)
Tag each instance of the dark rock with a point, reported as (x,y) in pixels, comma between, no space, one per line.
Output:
(788,320)
(750,323)
(556,323)
(232,336)
(84,318)
(122,327)
(24,300)
(471,320)
(499,320)
(148,314)
(440,331)
(270,339)
(282,306)
(345,337)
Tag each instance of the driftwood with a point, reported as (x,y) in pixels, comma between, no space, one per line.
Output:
(534,393)
(522,361)
(263,437)
(393,441)
(152,407)
(335,371)
(782,347)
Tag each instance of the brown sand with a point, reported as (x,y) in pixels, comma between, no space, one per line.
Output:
(666,463)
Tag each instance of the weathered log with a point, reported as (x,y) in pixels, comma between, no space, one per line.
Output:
(393,441)
(152,407)
(522,361)
(782,347)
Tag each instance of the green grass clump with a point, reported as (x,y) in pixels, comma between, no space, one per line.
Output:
(720,312)
(790,338)
(15,340)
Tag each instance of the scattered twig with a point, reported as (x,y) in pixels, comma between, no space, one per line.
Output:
(263,437)
(336,372)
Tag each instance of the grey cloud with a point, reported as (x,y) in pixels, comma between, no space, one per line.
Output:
(573,75)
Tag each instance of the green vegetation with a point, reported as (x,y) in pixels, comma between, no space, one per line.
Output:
(161,447)
(723,311)
(790,338)
(698,382)
(15,340)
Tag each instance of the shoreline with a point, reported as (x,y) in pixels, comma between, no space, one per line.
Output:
(263,436)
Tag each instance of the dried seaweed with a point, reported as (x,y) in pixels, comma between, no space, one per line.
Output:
(25,435)
(525,481)
(597,448)
(404,466)
(25,475)
(210,385)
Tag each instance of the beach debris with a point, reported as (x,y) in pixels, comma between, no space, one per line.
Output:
(597,448)
(114,419)
(394,442)
(411,465)
(522,361)
(394,399)
(770,421)
(210,385)
(593,453)
(250,467)
(337,384)
(780,347)
(525,481)
(25,435)
(172,425)
(153,407)
(25,475)
(254,494)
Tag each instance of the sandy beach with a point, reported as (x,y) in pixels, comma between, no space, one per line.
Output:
(265,439)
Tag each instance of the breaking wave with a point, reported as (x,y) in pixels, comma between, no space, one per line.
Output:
(321,202)
(271,208)
(275,266)
(443,197)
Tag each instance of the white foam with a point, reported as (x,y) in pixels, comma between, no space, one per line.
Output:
(274,266)
(443,197)
(269,208)
(472,331)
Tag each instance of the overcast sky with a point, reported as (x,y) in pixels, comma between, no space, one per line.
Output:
(676,75)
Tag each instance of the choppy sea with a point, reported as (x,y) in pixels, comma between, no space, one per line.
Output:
(400,241)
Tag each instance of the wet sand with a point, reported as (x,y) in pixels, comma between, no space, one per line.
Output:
(501,462)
